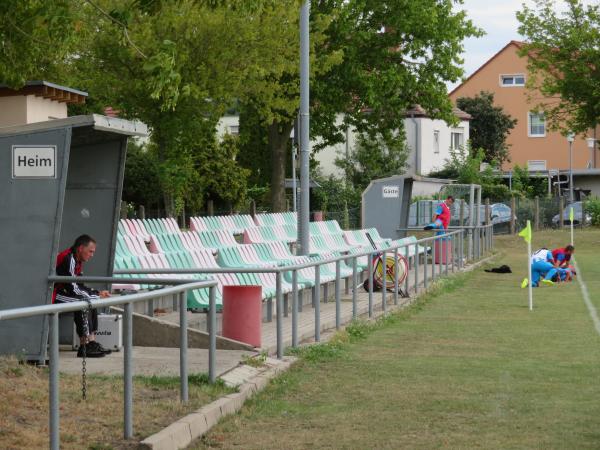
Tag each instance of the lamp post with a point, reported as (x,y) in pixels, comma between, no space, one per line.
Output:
(570,139)
(591,143)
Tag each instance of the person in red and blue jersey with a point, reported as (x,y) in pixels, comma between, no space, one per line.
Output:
(562,256)
(442,216)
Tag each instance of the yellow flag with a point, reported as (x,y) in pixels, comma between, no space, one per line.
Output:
(526,232)
(571,215)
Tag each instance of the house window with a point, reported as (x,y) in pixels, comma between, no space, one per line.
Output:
(512,80)
(234,130)
(537,124)
(436,141)
(456,139)
(536,164)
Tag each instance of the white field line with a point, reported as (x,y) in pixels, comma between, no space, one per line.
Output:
(586,298)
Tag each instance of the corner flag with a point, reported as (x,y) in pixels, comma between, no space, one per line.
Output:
(571,215)
(525,233)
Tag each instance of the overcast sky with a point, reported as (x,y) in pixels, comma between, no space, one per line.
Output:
(497,18)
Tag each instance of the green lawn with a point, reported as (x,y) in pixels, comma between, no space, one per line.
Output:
(471,367)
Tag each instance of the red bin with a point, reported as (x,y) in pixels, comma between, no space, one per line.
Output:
(440,251)
(242,314)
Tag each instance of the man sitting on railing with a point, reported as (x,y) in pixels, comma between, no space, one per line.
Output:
(441,218)
(69,263)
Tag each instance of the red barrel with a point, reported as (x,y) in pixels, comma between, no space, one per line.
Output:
(440,251)
(242,313)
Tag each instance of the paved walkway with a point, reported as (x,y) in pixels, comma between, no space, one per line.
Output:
(165,361)
(152,361)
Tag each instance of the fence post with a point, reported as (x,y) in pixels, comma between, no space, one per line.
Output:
(54,421)
(338,298)
(536,217)
(316,302)
(128,372)
(513,209)
(141,212)
(183,345)
(561,211)
(210,207)
(461,216)
(294,308)
(212,334)
(354,305)
(384,285)
(370,285)
(123,211)
(252,208)
(279,324)
(487,211)
(395,276)
(416,269)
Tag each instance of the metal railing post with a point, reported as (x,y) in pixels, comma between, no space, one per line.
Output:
(453,252)
(384,282)
(370,284)
(183,345)
(395,276)
(294,308)
(279,324)
(53,386)
(212,334)
(462,249)
(406,281)
(128,372)
(338,298)
(433,251)
(447,256)
(354,286)
(416,258)
(425,258)
(317,304)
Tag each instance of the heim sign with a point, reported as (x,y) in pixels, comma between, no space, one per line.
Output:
(33,161)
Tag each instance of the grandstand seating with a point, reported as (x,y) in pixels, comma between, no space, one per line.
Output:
(160,244)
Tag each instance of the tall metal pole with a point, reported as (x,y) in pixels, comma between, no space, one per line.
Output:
(571,171)
(303,216)
(294,186)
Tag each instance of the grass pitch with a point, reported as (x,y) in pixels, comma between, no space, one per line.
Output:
(467,367)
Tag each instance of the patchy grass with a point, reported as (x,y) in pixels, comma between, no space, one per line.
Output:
(254,360)
(98,422)
(468,366)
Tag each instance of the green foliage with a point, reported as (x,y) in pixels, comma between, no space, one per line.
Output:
(464,166)
(335,195)
(222,177)
(565,50)
(526,186)
(142,180)
(36,36)
(592,207)
(489,126)
(375,156)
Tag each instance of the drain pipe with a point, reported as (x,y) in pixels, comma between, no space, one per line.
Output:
(417,165)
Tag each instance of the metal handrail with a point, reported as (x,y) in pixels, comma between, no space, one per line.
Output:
(53,311)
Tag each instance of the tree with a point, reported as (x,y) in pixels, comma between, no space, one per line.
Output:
(369,61)
(489,127)
(563,51)
(378,156)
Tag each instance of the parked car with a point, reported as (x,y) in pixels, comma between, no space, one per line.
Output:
(578,215)
(499,213)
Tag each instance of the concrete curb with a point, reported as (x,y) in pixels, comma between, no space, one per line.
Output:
(183,432)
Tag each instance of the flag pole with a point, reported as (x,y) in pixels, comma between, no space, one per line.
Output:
(530,287)
(572,217)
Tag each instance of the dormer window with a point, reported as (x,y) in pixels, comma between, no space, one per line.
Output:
(512,80)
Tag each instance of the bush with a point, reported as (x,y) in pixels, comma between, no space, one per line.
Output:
(592,207)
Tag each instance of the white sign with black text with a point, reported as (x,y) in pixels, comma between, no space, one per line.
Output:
(34,161)
(391,191)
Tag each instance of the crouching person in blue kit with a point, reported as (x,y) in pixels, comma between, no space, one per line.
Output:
(543,267)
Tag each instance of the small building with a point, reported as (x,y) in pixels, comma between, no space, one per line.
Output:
(37,101)
(531,142)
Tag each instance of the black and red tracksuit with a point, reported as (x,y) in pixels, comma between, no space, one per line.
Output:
(67,265)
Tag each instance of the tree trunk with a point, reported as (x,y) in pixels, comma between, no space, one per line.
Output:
(279,135)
